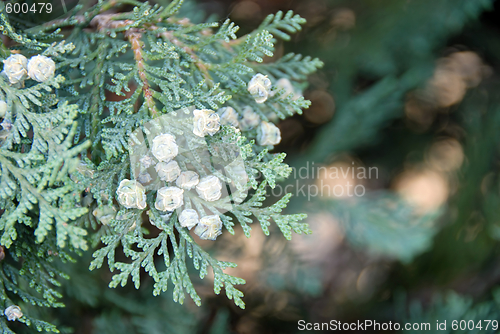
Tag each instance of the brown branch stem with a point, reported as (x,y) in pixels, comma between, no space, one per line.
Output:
(136,45)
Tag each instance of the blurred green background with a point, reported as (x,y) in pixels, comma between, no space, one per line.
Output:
(410,89)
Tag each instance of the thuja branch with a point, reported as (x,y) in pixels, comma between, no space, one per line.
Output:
(176,71)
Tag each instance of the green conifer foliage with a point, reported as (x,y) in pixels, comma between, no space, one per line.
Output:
(66,142)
